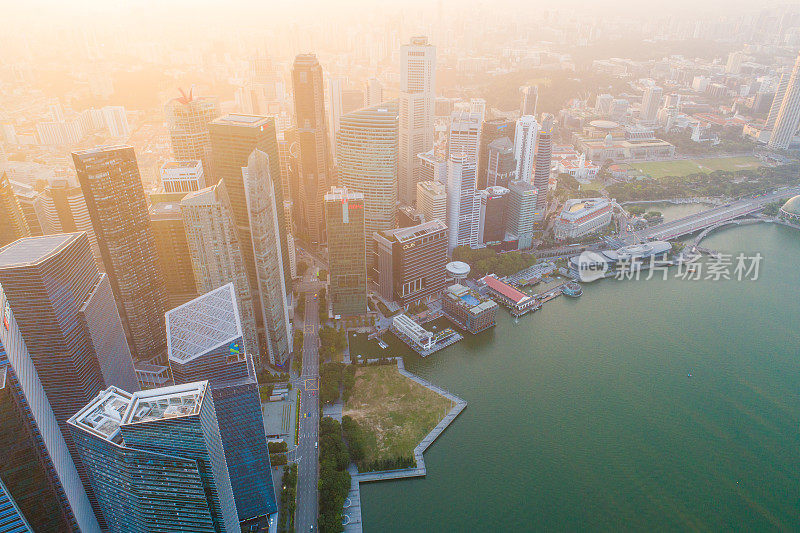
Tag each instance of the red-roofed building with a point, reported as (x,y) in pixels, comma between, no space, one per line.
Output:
(515,300)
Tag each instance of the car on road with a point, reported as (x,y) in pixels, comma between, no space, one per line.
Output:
(316,445)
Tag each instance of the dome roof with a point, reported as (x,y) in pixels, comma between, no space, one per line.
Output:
(792,206)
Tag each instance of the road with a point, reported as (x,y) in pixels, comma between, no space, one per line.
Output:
(306,452)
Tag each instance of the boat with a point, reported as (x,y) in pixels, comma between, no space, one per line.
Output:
(572,289)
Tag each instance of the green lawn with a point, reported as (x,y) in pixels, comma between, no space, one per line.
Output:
(683,167)
(395,412)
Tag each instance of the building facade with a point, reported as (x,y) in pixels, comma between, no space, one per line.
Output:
(13,224)
(521,212)
(787,121)
(183,176)
(187,119)
(347,253)
(432,200)
(463,203)
(468,309)
(543,160)
(492,220)
(581,217)
(491,131)
(501,166)
(173,252)
(524,146)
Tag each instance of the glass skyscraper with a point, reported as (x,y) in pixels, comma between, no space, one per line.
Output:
(344,214)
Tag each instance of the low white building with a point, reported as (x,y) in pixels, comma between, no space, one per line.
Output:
(582,216)
(579,168)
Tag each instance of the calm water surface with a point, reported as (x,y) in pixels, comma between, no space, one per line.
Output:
(582,416)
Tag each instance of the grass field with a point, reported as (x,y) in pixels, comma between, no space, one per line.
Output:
(395,412)
(682,167)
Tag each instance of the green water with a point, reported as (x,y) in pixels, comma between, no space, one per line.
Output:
(582,417)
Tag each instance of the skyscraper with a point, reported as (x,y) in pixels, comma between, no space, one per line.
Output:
(112,188)
(463,204)
(347,254)
(272,295)
(651,102)
(788,119)
(187,119)
(521,213)
(524,146)
(530,97)
(777,100)
(13,225)
(36,468)
(464,135)
(367,155)
(314,163)
(173,252)
(233,139)
(543,160)
(432,200)
(156,460)
(417,100)
(373,92)
(61,208)
(216,252)
(492,216)
(501,166)
(491,131)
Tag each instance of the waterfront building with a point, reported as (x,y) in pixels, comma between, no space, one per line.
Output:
(37,471)
(156,459)
(463,203)
(492,220)
(112,188)
(468,309)
(432,200)
(233,138)
(631,257)
(651,103)
(543,161)
(521,212)
(187,119)
(417,100)
(514,299)
(464,135)
(410,262)
(788,118)
(183,176)
(13,224)
(216,253)
(173,252)
(367,162)
(491,131)
(314,163)
(524,146)
(581,217)
(420,339)
(501,165)
(272,295)
(791,209)
(344,215)
(530,97)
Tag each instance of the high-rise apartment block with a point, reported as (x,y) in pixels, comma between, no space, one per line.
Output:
(347,253)
(651,103)
(524,146)
(112,188)
(417,100)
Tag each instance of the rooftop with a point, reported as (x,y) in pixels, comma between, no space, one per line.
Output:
(203,324)
(191,163)
(792,206)
(166,210)
(31,250)
(406,234)
(103,416)
(505,289)
(166,402)
(237,119)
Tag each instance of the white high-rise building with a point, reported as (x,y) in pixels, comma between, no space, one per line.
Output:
(777,100)
(788,119)
(183,176)
(524,146)
(263,213)
(216,253)
(530,97)
(432,200)
(417,100)
(463,202)
(464,135)
(334,108)
(478,105)
(651,102)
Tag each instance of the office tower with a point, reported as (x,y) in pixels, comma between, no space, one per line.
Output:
(463,204)
(61,208)
(788,119)
(233,139)
(651,102)
(417,99)
(373,92)
(521,212)
(183,176)
(524,145)
(344,216)
(491,131)
(314,163)
(271,295)
(408,216)
(335,107)
(432,200)
(352,100)
(367,162)
(11,518)
(173,252)
(36,468)
(112,188)
(501,165)
(530,97)
(13,224)
(26,198)
(156,460)
(432,167)
(187,119)
(410,262)
(478,105)
(463,136)
(777,100)
(543,160)
(216,252)
(491,227)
